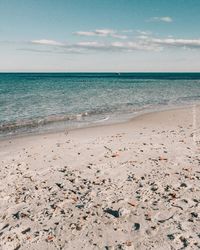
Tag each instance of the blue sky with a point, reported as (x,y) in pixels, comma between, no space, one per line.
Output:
(99,35)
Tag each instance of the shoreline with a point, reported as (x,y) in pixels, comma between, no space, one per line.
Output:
(98,124)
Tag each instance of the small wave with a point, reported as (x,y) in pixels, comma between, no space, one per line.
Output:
(34,123)
(188,98)
(103,119)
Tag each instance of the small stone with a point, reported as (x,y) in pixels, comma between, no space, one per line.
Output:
(16,215)
(184,241)
(17,247)
(7,225)
(114,213)
(171,236)
(183,185)
(132,203)
(128,243)
(161,158)
(148,216)
(115,155)
(136,226)
(50,238)
(26,230)
(154,188)
(80,206)
(78,227)
(109,248)
(195,215)
(60,185)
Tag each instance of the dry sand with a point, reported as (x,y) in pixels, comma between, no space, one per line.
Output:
(127,186)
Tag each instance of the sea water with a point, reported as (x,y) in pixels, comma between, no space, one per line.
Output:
(39,102)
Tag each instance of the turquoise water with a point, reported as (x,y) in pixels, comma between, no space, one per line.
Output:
(34,102)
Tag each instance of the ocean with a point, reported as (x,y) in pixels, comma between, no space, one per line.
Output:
(43,102)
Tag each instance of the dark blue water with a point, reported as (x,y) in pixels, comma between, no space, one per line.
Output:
(43,101)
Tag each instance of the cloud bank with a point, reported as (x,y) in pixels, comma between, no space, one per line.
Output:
(115,46)
(141,43)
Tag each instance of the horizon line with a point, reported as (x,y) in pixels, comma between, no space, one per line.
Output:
(95,72)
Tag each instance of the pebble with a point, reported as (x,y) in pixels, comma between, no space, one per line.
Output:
(136,226)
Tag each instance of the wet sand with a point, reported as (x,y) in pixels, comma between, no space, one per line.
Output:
(134,185)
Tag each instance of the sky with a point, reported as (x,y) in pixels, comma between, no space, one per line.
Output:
(99,36)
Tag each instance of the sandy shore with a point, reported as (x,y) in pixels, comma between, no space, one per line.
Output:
(127,186)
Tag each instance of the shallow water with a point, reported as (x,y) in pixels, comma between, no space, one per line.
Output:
(34,102)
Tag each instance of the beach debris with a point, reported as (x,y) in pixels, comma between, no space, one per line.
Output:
(164,218)
(109,149)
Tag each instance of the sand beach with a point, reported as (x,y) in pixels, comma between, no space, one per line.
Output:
(133,185)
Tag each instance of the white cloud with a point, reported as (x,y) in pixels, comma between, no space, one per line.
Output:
(138,45)
(119,36)
(118,46)
(85,33)
(97,32)
(47,42)
(101,33)
(104,32)
(84,46)
(145,33)
(166,19)
(192,43)
(90,45)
